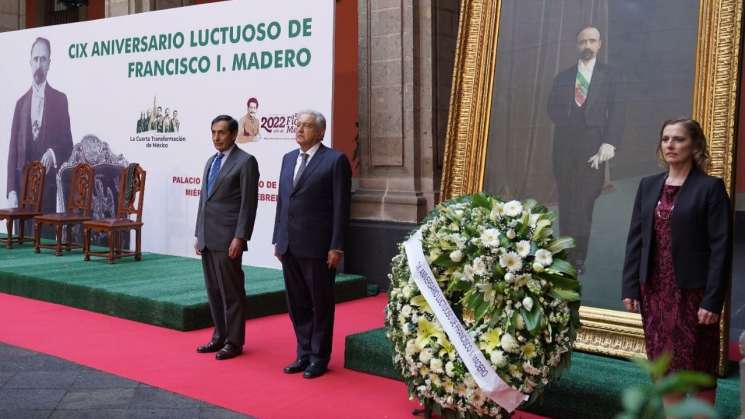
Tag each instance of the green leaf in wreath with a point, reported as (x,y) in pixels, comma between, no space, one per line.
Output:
(522,229)
(480,200)
(444,261)
(540,228)
(482,309)
(513,321)
(559,281)
(532,318)
(498,272)
(456,286)
(566,295)
(563,267)
(471,299)
(562,243)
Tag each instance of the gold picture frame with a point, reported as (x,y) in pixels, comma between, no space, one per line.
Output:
(603,331)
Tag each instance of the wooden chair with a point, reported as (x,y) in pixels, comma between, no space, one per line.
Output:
(129,203)
(29,206)
(78,210)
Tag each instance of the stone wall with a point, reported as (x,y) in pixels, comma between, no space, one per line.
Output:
(405,65)
(12,15)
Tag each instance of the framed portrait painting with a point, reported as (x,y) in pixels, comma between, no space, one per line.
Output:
(562,101)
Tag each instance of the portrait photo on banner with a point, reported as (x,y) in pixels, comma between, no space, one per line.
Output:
(580,90)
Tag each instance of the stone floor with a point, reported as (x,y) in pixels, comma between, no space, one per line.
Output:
(35,385)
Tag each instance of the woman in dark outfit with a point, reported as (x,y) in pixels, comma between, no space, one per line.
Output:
(678,254)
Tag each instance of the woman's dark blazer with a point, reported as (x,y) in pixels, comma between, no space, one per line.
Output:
(701,224)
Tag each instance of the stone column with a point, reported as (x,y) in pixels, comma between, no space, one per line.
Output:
(119,7)
(128,7)
(396,115)
(12,15)
(406,53)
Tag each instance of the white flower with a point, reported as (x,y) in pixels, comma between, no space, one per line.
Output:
(537,267)
(523,248)
(512,261)
(411,347)
(436,365)
(450,369)
(513,208)
(528,303)
(449,388)
(407,292)
(509,343)
(519,323)
(490,237)
(456,256)
(468,273)
(469,381)
(534,219)
(498,358)
(496,212)
(543,257)
(509,276)
(406,311)
(510,234)
(479,267)
(425,356)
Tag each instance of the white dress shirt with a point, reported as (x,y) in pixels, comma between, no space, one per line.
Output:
(225,155)
(37,107)
(586,69)
(311,152)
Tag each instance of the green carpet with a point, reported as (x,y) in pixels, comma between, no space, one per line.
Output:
(161,290)
(590,389)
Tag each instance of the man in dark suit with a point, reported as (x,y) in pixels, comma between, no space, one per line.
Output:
(40,130)
(588,114)
(312,216)
(225,221)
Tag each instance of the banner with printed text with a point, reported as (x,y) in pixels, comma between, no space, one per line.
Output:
(144,89)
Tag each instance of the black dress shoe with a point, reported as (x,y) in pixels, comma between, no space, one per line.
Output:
(228,351)
(314,370)
(213,346)
(298,366)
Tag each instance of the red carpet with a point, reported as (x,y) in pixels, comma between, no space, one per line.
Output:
(252,384)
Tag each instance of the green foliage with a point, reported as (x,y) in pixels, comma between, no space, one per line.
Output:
(645,401)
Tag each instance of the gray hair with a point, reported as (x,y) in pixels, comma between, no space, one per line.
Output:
(320,119)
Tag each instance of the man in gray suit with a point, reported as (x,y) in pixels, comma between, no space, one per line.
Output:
(225,221)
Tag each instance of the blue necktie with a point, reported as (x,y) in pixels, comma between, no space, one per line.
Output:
(214,170)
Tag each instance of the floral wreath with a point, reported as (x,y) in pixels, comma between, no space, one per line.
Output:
(506,277)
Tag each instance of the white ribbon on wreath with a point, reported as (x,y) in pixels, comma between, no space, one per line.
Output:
(481,370)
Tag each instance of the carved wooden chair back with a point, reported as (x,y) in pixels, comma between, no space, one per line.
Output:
(80,198)
(130,201)
(32,190)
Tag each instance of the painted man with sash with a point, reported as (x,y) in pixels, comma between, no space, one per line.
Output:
(588,114)
(40,130)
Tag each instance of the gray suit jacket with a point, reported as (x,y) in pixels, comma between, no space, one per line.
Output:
(230,210)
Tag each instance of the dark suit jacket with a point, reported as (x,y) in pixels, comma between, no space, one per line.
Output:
(701,225)
(54,133)
(311,218)
(603,111)
(230,211)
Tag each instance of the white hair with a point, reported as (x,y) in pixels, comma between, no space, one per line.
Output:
(319,118)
